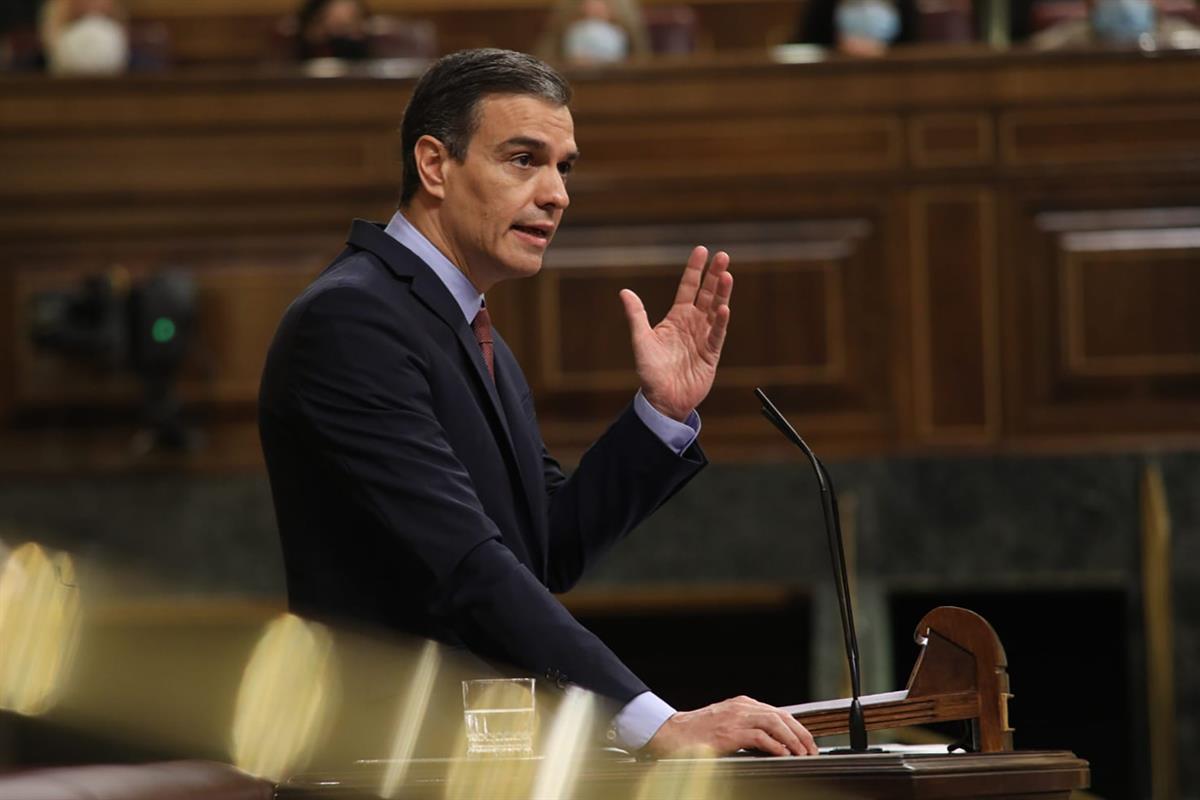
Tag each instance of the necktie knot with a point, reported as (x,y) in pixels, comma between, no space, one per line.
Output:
(482,326)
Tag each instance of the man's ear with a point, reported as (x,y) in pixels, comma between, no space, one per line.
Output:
(432,157)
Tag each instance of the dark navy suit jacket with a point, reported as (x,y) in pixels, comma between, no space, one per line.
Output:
(414,493)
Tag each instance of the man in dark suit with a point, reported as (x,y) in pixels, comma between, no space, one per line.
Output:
(411,484)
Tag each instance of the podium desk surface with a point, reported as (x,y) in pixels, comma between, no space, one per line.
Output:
(904,774)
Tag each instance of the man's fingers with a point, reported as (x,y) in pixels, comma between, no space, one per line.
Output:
(724,286)
(760,740)
(720,324)
(772,722)
(709,288)
(731,724)
(635,311)
(689,284)
(801,732)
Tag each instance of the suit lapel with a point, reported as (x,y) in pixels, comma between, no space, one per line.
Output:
(430,290)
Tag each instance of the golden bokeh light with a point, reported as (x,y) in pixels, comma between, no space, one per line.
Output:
(566,745)
(413,709)
(39,627)
(286,699)
(490,777)
(685,778)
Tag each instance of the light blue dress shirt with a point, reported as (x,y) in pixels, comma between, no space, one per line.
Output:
(636,723)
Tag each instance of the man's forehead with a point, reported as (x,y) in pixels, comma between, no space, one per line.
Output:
(520,116)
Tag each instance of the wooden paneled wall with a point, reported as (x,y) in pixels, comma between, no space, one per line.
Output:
(932,252)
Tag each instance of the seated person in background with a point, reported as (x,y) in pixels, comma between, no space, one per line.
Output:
(861,28)
(1119,23)
(85,37)
(18,25)
(333,29)
(594,32)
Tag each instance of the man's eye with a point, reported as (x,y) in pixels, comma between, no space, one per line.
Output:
(565,168)
(523,160)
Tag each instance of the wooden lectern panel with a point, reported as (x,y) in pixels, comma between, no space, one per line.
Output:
(1035,775)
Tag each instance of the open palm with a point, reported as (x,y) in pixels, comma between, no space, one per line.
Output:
(677,359)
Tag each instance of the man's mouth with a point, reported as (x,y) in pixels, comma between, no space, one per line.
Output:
(539,232)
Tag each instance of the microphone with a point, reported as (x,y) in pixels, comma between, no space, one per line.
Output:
(837,555)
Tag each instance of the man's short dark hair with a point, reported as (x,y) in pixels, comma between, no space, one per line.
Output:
(445,102)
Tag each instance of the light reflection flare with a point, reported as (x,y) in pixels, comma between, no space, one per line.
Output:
(39,627)
(286,698)
(568,740)
(691,777)
(412,714)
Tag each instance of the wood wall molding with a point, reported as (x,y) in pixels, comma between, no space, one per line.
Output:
(956,357)
(1106,340)
(799,283)
(1083,135)
(813,144)
(805,292)
(951,139)
(1132,312)
(299,161)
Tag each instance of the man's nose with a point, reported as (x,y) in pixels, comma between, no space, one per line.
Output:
(552,189)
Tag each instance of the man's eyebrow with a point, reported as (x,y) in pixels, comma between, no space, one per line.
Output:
(530,143)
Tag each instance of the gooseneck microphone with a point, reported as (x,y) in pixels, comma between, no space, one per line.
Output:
(837,554)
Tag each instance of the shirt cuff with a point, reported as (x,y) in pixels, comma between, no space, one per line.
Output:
(676,435)
(635,725)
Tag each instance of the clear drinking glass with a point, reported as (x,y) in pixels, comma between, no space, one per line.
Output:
(499,715)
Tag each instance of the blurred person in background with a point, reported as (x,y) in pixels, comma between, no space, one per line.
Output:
(1120,23)
(333,29)
(18,25)
(594,32)
(85,37)
(861,28)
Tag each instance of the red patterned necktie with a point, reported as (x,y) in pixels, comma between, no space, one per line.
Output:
(482,326)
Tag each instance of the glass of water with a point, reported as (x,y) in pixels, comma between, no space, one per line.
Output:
(499,715)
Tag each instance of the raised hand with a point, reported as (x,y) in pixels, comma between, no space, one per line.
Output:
(677,359)
(732,725)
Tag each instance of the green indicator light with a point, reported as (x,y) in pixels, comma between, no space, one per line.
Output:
(163,330)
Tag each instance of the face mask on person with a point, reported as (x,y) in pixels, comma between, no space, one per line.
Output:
(1122,21)
(876,20)
(91,45)
(595,40)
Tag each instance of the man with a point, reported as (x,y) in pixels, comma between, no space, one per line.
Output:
(411,484)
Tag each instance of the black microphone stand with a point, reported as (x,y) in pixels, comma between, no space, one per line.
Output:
(837,555)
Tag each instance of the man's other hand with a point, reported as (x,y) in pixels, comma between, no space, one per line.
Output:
(731,725)
(677,359)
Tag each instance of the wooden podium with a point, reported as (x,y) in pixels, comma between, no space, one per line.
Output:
(1040,775)
(960,675)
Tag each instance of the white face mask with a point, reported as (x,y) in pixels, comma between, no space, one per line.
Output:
(595,40)
(91,45)
(876,20)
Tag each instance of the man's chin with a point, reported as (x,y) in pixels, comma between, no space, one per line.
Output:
(523,266)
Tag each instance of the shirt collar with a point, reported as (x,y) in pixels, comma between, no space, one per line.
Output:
(469,299)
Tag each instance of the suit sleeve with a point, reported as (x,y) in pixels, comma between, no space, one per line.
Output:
(359,384)
(622,479)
